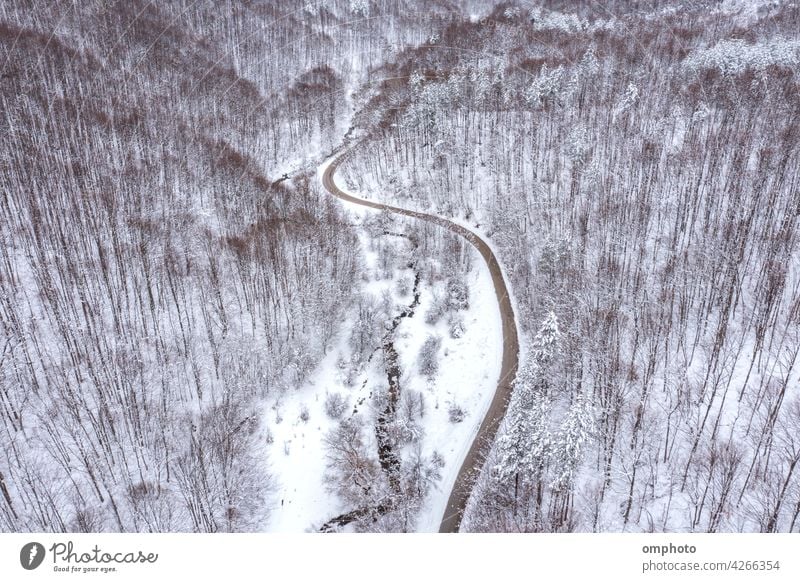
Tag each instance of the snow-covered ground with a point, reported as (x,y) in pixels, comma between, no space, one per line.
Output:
(467,377)
(297,456)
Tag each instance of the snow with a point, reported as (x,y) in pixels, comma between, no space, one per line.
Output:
(468,371)
(468,375)
(297,456)
(734,56)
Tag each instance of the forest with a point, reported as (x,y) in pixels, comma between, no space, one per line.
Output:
(193,328)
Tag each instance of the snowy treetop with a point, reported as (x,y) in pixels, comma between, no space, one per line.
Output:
(734,56)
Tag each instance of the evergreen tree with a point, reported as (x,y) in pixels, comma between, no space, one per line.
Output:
(570,442)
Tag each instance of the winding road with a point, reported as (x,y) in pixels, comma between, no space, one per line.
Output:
(470,468)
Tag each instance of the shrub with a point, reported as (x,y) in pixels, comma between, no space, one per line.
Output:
(335,405)
(429,356)
(456,327)
(456,413)
(435,311)
(403,285)
(457,295)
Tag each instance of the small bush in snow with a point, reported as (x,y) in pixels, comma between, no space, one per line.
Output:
(404,286)
(455,327)
(429,356)
(456,413)
(435,311)
(347,371)
(457,295)
(433,315)
(304,413)
(335,405)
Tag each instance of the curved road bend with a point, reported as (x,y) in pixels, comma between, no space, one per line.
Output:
(457,502)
